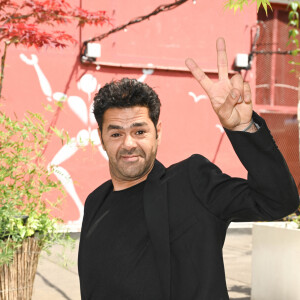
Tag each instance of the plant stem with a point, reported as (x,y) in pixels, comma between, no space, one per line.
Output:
(6,44)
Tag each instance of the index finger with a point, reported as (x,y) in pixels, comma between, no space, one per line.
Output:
(222,59)
(200,76)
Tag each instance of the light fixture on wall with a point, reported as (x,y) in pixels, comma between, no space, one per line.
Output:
(90,52)
(242,61)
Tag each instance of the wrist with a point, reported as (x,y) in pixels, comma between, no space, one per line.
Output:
(247,127)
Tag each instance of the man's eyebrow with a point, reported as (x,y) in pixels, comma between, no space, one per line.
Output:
(110,127)
(137,124)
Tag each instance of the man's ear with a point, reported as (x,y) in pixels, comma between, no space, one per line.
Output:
(100,136)
(158,132)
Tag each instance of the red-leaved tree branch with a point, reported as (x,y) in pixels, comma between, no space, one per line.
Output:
(20,24)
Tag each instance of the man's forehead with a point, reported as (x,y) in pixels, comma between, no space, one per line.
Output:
(126,116)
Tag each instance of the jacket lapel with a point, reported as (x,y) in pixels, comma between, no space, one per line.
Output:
(156,213)
(98,200)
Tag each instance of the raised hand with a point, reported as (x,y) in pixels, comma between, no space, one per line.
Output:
(230,98)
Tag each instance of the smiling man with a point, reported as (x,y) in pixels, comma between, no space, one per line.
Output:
(156,233)
(130,139)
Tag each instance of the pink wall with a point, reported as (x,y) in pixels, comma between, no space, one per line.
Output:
(189,125)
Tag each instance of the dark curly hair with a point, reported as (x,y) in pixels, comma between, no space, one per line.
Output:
(126,93)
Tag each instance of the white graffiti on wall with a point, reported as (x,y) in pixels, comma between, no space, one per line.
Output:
(197,98)
(83,110)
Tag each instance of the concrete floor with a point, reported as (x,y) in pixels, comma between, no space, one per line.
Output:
(54,281)
(237,258)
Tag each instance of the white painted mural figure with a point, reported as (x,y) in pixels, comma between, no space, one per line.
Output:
(88,134)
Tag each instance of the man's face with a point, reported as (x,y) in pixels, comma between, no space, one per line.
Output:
(130,141)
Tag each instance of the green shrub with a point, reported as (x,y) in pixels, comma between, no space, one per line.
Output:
(25,185)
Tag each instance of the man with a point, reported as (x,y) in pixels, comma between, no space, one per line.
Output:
(152,233)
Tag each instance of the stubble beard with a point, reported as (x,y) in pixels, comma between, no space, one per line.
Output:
(129,171)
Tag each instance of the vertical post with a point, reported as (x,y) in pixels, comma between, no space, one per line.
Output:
(298,114)
(273,57)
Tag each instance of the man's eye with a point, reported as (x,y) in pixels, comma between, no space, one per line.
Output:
(115,135)
(140,132)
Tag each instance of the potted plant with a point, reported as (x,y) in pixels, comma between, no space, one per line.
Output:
(27,225)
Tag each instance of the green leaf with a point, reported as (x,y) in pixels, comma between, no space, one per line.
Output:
(258,4)
(265,7)
(293,15)
(265,4)
(58,132)
(294,63)
(29,232)
(294,23)
(295,52)
(294,5)
(22,232)
(293,33)
(48,108)
(237,4)
(60,104)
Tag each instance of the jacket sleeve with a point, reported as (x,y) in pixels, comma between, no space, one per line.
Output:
(269,193)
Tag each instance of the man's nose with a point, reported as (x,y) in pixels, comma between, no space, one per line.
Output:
(129,142)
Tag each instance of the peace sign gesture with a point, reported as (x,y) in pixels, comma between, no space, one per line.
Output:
(230,98)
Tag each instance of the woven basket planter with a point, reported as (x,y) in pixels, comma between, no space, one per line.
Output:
(16,280)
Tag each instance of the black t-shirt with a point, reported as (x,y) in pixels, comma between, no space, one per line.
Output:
(120,258)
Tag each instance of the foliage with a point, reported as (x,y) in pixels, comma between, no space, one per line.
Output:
(297,220)
(25,182)
(294,32)
(21,22)
(33,23)
(239,4)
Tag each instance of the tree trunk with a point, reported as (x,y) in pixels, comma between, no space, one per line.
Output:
(2,66)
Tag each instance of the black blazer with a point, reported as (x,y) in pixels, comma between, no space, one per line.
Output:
(189,206)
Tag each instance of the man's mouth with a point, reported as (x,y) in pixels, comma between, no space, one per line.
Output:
(130,158)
